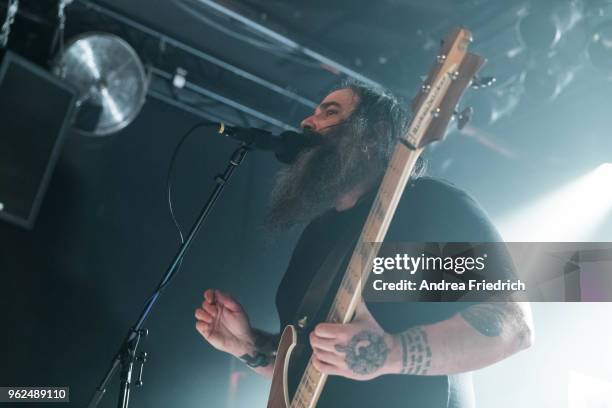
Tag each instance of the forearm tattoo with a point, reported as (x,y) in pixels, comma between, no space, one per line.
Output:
(487,318)
(257,360)
(265,350)
(416,352)
(365,353)
(265,342)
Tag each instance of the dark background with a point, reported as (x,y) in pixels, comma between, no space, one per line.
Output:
(73,285)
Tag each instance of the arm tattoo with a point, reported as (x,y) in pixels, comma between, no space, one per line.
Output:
(258,360)
(365,353)
(265,342)
(265,349)
(416,352)
(487,318)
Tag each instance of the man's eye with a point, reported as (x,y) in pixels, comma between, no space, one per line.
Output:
(331,112)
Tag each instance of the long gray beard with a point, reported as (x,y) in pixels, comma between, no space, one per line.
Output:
(312,184)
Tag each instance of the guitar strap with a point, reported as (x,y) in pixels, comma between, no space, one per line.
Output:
(321,284)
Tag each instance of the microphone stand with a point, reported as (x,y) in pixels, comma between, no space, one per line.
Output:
(127,356)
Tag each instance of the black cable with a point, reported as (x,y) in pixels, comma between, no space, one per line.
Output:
(163,284)
(169,189)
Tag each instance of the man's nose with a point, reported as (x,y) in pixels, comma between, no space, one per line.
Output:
(309,124)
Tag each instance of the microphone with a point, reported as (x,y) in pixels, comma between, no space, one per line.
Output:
(285,146)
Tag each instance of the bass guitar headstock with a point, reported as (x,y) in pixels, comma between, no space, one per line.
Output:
(449,77)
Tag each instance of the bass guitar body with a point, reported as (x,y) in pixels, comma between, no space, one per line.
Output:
(291,360)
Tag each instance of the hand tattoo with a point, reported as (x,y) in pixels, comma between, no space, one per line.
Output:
(416,353)
(365,353)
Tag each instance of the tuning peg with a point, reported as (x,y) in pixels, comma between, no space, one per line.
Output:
(463,117)
(483,82)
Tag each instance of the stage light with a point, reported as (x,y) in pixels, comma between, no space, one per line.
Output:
(571,213)
(542,25)
(599,48)
(110,80)
(545,80)
(538,31)
(599,35)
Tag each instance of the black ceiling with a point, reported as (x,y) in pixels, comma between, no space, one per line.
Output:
(244,77)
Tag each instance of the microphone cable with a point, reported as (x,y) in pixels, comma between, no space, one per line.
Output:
(177,148)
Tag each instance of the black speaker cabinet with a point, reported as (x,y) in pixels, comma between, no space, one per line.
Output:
(36,108)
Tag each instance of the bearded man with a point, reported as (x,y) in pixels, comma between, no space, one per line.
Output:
(330,189)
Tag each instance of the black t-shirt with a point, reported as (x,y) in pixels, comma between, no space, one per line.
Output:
(430,210)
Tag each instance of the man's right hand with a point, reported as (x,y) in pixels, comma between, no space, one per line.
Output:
(223,323)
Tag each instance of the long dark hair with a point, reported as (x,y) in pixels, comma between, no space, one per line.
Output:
(381,115)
